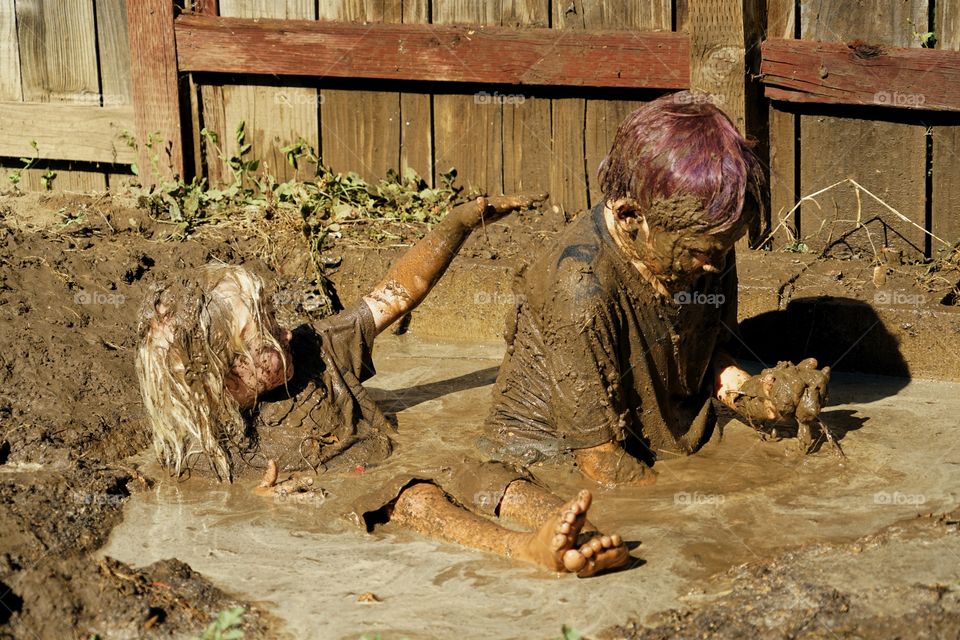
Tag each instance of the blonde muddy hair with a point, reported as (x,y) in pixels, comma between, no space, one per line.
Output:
(189,340)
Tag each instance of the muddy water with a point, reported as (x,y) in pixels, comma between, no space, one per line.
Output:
(738,500)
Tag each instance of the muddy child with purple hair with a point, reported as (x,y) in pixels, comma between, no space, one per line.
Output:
(617,350)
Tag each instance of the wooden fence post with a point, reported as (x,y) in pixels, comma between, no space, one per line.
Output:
(725,38)
(156,95)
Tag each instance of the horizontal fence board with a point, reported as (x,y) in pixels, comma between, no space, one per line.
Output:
(432,53)
(835,73)
(66,131)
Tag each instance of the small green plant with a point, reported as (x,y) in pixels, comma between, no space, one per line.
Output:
(323,203)
(67,218)
(225,625)
(927,39)
(569,633)
(797,247)
(47,179)
(16,175)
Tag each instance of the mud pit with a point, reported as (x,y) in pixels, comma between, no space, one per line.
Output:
(739,501)
(829,550)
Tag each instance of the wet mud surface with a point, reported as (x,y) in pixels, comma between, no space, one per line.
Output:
(747,534)
(95,540)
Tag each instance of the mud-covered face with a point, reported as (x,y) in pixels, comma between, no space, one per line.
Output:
(670,242)
(678,258)
(266,367)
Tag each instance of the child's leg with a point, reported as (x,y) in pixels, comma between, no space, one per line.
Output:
(531,505)
(410,279)
(425,508)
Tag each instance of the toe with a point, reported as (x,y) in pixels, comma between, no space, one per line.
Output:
(573,561)
(558,542)
(583,500)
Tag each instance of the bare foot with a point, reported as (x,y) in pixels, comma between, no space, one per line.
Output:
(554,545)
(597,555)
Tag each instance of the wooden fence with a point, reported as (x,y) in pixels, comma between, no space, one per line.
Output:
(518,95)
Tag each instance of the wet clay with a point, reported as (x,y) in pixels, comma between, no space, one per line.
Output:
(785,391)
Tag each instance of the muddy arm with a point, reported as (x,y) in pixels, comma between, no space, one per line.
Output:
(409,280)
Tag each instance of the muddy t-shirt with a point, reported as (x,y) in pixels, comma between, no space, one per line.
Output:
(324,417)
(594,355)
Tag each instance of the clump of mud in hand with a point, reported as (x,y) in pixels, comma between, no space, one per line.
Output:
(785,392)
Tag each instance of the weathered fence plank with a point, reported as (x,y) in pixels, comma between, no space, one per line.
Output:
(416,120)
(360,130)
(945,213)
(63,131)
(568,173)
(10,88)
(781,23)
(888,158)
(114,52)
(602,117)
(113,47)
(155,87)
(467,129)
(274,116)
(722,33)
(526,118)
(836,73)
(58,63)
(206,103)
(474,53)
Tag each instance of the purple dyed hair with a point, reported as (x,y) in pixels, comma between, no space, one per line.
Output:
(682,144)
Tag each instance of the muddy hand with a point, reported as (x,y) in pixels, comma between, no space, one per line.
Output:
(492,208)
(269,485)
(783,391)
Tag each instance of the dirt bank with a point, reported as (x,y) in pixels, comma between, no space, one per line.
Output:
(71,278)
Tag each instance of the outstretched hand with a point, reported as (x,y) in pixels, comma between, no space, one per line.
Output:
(492,208)
(785,391)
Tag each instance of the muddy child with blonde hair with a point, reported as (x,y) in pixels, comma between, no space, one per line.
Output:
(227,390)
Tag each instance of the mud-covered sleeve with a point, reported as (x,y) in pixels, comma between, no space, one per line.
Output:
(348,338)
(582,356)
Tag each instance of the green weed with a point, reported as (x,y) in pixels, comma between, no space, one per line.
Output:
(225,625)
